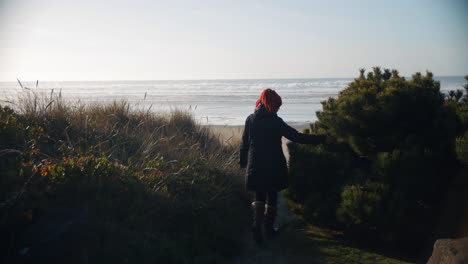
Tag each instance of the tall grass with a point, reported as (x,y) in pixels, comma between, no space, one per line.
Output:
(158,187)
(96,127)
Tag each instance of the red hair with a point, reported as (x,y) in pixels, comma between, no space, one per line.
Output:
(270,99)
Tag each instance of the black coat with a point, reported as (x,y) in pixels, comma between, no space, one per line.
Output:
(261,151)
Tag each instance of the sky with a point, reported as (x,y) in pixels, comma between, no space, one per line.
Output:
(62,40)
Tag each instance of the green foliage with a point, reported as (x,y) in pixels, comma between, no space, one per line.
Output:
(157,187)
(398,146)
(375,114)
(316,176)
(134,207)
(461,148)
(457,101)
(362,203)
(11,130)
(459,96)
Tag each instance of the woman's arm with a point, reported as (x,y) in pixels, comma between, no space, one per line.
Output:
(293,135)
(244,148)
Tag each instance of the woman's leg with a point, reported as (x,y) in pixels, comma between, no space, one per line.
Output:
(272,199)
(270,213)
(258,208)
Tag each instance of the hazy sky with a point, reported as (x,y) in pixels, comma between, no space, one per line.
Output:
(130,40)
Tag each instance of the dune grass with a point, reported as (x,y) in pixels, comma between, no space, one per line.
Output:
(157,187)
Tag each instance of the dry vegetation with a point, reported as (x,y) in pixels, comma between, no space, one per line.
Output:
(150,187)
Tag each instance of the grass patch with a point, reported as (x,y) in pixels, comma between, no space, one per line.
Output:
(330,246)
(335,250)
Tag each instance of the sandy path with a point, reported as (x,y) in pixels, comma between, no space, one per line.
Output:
(278,250)
(272,251)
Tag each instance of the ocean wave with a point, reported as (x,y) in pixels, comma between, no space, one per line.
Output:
(221,102)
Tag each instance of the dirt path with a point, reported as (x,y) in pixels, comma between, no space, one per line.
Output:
(299,243)
(280,249)
(304,243)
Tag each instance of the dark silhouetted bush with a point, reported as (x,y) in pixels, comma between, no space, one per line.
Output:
(398,143)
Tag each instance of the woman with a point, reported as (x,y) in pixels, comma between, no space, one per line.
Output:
(262,154)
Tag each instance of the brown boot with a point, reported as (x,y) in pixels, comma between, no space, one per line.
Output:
(258,208)
(270,216)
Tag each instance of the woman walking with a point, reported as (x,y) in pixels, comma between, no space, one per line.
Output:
(262,155)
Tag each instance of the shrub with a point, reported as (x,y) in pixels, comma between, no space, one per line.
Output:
(461,148)
(379,115)
(361,204)
(457,101)
(396,158)
(316,176)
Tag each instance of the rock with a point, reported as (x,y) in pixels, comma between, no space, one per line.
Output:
(450,251)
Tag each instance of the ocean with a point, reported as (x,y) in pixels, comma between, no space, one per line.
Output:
(213,102)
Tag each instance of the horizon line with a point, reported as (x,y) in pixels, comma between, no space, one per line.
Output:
(203,79)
